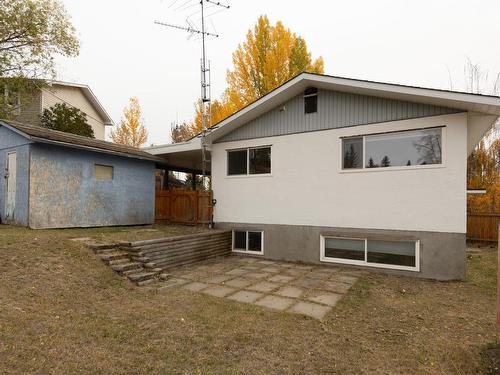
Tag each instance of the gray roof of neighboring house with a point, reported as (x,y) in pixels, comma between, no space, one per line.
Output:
(43,135)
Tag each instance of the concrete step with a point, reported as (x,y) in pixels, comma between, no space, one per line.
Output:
(122,267)
(141,276)
(113,256)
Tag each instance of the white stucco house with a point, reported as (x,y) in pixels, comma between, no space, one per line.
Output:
(342,171)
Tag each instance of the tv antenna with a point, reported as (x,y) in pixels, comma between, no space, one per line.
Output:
(192,29)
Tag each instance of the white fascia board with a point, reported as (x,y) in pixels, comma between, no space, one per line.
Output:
(171,148)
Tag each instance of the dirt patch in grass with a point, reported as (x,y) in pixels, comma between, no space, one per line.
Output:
(127,233)
(62,311)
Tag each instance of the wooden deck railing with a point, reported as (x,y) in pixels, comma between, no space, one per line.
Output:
(183,207)
(482,226)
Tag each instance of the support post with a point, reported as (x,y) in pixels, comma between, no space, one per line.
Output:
(193,182)
(167,175)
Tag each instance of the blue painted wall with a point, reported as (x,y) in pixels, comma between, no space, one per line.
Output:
(65,193)
(11,141)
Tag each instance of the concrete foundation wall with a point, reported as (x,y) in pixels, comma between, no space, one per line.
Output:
(12,142)
(442,255)
(65,193)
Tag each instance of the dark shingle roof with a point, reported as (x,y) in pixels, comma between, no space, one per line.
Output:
(39,134)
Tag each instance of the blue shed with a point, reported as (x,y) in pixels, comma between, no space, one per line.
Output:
(53,179)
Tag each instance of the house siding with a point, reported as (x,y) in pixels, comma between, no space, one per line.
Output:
(64,192)
(30,108)
(74,97)
(308,189)
(335,110)
(9,142)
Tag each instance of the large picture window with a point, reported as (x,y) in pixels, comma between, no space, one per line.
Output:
(402,255)
(396,149)
(256,160)
(251,242)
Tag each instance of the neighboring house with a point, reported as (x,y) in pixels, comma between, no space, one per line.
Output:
(30,104)
(342,171)
(52,179)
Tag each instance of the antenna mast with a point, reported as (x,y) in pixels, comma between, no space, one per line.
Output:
(205,68)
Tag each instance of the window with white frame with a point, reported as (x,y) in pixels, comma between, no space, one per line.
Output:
(247,241)
(394,149)
(254,161)
(394,254)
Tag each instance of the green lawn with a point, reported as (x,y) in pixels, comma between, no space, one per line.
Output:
(62,311)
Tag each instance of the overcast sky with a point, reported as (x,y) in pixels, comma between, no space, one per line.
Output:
(123,53)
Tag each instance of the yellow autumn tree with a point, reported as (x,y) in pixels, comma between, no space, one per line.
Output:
(270,56)
(131,130)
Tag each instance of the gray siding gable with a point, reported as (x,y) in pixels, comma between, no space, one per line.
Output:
(335,110)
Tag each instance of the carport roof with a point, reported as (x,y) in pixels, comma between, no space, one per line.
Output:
(43,135)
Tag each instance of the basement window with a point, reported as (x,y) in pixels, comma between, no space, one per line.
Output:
(392,254)
(103,172)
(311,100)
(250,242)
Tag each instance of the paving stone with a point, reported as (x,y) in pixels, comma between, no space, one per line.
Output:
(266,262)
(336,287)
(293,272)
(329,299)
(345,279)
(218,291)
(305,268)
(281,279)
(238,283)
(306,282)
(237,271)
(248,260)
(217,279)
(290,291)
(171,283)
(195,286)
(316,274)
(271,269)
(252,268)
(257,275)
(245,296)
(310,309)
(274,302)
(263,286)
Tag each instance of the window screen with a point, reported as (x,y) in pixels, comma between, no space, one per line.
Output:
(237,162)
(260,160)
(352,153)
(240,240)
(103,172)
(311,100)
(255,241)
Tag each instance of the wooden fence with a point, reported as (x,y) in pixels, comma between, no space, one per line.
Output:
(183,207)
(482,227)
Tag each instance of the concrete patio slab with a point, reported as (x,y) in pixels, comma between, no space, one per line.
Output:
(237,271)
(281,279)
(310,309)
(335,287)
(247,260)
(267,262)
(329,299)
(245,296)
(195,286)
(238,283)
(263,286)
(257,275)
(218,291)
(274,302)
(217,279)
(306,282)
(271,269)
(345,279)
(290,291)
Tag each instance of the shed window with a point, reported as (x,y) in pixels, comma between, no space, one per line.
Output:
(237,162)
(103,172)
(311,100)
